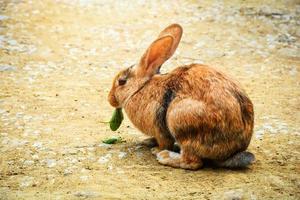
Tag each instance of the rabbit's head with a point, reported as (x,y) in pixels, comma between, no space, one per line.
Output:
(130,80)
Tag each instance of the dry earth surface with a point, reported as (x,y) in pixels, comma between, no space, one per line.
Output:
(57,61)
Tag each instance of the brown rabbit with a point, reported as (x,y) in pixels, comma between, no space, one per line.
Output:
(196,106)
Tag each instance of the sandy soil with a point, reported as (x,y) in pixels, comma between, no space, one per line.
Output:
(57,61)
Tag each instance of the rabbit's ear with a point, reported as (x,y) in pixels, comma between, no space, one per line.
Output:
(175,30)
(155,56)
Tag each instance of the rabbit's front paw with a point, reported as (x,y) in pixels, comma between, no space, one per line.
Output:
(155,150)
(170,158)
(149,142)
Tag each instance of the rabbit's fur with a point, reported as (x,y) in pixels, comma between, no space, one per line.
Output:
(196,106)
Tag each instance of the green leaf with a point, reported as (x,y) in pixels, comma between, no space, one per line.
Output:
(116,119)
(113,140)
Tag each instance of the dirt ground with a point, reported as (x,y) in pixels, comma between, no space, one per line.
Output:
(57,61)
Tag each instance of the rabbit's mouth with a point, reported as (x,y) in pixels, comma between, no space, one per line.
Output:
(112,100)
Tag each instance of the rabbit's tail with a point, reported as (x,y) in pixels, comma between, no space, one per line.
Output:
(239,160)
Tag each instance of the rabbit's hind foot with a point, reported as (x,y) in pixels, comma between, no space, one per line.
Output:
(177,160)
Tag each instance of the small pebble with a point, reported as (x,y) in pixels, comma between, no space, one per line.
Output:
(104,159)
(84,178)
(28,162)
(7,68)
(87,194)
(234,195)
(26,181)
(51,163)
(122,155)
(38,145)
(68,171)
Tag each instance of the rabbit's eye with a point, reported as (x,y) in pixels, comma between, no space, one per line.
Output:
(122,81)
